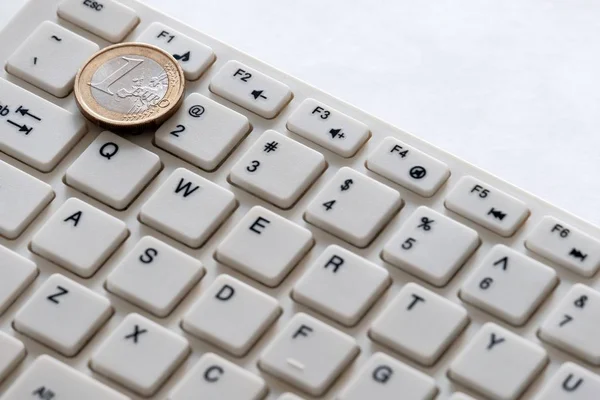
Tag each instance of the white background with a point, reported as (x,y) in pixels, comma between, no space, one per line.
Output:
(513,86)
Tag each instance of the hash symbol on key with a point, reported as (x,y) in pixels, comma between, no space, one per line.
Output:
(271,146)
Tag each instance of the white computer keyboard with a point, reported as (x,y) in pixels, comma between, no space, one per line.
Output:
(267,241)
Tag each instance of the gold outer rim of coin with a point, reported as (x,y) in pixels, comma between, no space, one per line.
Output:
(116,121)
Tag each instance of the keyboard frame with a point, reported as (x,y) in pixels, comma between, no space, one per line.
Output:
(34,12)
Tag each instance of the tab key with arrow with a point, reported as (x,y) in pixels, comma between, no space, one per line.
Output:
(22,128)
(25,111)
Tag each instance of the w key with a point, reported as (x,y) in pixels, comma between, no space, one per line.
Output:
(63,315)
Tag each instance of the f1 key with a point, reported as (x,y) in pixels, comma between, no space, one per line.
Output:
(487,206)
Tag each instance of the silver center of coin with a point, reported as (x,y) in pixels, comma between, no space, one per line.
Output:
(129,84)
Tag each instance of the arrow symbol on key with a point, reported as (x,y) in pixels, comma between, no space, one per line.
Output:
(22,128)
(25,111)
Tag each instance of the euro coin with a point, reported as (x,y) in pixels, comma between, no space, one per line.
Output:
(129,87)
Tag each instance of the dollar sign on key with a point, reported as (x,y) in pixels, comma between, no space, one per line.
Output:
(346,184)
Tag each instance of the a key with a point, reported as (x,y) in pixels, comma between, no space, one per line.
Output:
(12,352)
(193,56)
(250,89)
(509,285)
(308,354)
(289,396)
(106,18)
(571,382)
(35,131)
(50,57)
(188,208)
(140,354)
(49,379)
(113,170)
(278,169)
(460,396)
(155,276)
(213,377)
(565,245)
(203,132)
(22,198)
(79,237)
(573,325)
(328,127)
(487,206)
(16,273)
(264,246)
(408,167)
(353,207)
(498,363)
(338,272)
(63,315)
(384,378)
(431,246)
(416,310)
(231,314)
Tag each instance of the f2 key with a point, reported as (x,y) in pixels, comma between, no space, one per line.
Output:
(487,206)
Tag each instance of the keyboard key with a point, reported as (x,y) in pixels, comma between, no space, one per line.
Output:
(264,246)
(193,56)
(63,315)
(278,169)
(328,127)
(573,325)
(487,206)
(16,273)
(289,396)
(12,352)
(49,379)
(565,245)
(250,89)
(188,208)
(408,167)
(461,396)
(106,18)
(384,378)
(216,378)
(113,170)
(353,207)
(338,272)
(155,276)
(498,363)
(416,310)
(50,57)
(232,315)
(140,354)
(22,198)
(571,382)
(422,247)
(308,354)
(508,285)
(79,237)
(202,132)
(35,131)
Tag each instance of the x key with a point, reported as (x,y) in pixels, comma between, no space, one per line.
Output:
(144,367)
(136,332)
